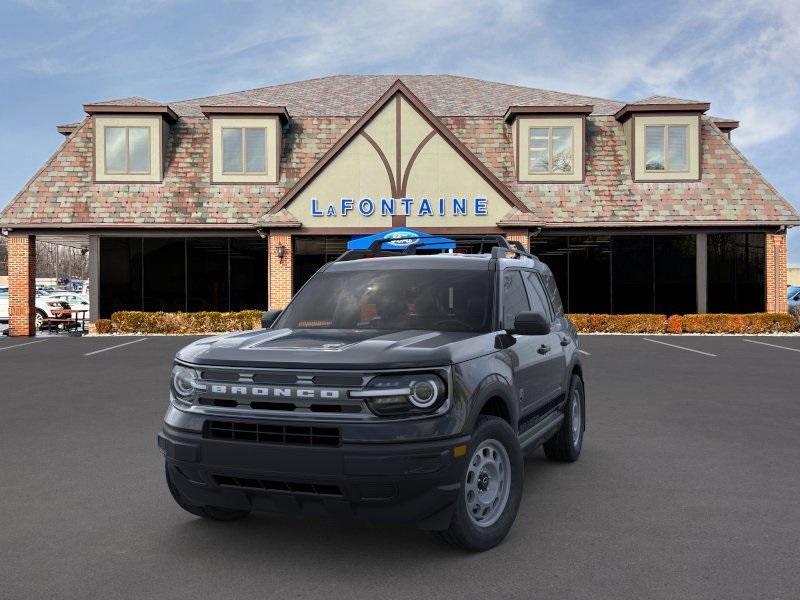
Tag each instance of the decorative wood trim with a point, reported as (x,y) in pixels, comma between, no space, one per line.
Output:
(131,109)
(629,109)
(412,158)
(515,111)
(399,87)
(279,111)
(384,160)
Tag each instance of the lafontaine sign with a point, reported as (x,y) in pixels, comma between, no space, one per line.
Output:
(422,207)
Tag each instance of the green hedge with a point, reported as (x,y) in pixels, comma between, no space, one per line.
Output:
(196,322)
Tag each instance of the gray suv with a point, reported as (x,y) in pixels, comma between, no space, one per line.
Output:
(394,387)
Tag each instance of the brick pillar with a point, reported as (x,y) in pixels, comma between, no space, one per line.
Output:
(521,236)
(280,270)
(775,273)
(21,284)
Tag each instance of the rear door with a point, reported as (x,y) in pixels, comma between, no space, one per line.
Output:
(528,359)
(551,372)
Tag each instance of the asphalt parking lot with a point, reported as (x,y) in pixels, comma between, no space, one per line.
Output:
(688,487)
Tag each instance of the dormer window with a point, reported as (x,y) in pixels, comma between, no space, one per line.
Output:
(244,150)
(245,143)
(550,150)
(127,150)
(666,148)
(548,142)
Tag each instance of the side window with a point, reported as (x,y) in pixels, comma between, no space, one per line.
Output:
(537,295)
(552,292)
(515,298)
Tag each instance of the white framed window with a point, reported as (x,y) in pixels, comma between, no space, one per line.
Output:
(244,150)
(550,150)
(666,148)
(127,150)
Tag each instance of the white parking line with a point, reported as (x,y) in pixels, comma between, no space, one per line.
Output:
(113,347)
(20,345)
(771,345)
(584,352)
(680,347)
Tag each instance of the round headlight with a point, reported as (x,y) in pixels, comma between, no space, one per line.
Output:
(183,379)
(424,393)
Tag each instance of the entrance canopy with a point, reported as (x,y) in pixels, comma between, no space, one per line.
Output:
(399,238)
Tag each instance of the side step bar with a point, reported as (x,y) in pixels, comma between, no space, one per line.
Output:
(537,434)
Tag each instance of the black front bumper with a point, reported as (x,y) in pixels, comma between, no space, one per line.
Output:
(413,482)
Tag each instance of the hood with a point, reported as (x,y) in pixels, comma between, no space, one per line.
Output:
(356,349)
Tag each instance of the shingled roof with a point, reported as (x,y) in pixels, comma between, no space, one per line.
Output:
(731,191)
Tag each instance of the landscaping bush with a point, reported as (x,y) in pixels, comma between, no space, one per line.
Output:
(747,323)
(586,323)
(197,322)
(103,326)
(707,323)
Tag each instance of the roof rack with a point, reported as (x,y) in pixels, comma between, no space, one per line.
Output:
(499,245)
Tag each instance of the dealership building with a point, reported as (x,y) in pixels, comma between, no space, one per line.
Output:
(233,201)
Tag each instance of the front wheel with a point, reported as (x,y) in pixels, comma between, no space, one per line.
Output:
(215,513)
(491,488)
(566,444)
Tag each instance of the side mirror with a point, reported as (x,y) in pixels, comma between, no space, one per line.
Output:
(268,318)
(531,323)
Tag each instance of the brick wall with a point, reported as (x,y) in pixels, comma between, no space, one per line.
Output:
(280,271)
(519,235)
(776,273)
(21,284)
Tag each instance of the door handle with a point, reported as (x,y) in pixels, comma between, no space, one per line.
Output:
(543,349)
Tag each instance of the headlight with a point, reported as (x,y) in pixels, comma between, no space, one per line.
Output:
(184,381)
(397,395)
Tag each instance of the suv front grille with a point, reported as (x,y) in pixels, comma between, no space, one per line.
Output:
(304,435)
(291,487)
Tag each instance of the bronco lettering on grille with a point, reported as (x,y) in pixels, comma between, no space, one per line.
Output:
(275,392)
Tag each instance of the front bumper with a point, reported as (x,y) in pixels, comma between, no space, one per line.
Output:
(411,482)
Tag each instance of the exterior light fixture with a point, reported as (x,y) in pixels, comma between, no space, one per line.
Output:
(280,252)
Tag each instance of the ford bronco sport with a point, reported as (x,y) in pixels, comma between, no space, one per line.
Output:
(400,387)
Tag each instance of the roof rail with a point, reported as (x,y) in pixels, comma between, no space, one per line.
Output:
(499,245)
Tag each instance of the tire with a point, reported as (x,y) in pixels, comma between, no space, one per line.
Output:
(493,443)
(39,318)
(214,513)
(566,444)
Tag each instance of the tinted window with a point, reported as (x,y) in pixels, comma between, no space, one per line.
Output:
(552,292)
(393,300)
(515,298)
(537,295)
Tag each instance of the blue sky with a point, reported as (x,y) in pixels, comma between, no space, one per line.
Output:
(56,55)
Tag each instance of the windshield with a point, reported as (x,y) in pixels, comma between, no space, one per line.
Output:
(446,300)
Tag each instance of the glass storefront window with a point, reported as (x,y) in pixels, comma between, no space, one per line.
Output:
(736,272)
(622,274)
(180,274)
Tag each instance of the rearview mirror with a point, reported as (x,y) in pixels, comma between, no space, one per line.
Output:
(531,323)
(268,318)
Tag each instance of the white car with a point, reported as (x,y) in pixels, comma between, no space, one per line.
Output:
(76,301)
(45,307)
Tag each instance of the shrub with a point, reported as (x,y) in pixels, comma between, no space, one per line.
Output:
(746,323)
(619,323)
(197,322)
(675,324)
(706,323)
(103,326)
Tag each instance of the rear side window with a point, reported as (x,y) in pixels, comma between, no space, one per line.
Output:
(552,292)
(515,298)
(537,294)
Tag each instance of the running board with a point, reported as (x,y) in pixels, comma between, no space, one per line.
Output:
(537,434)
